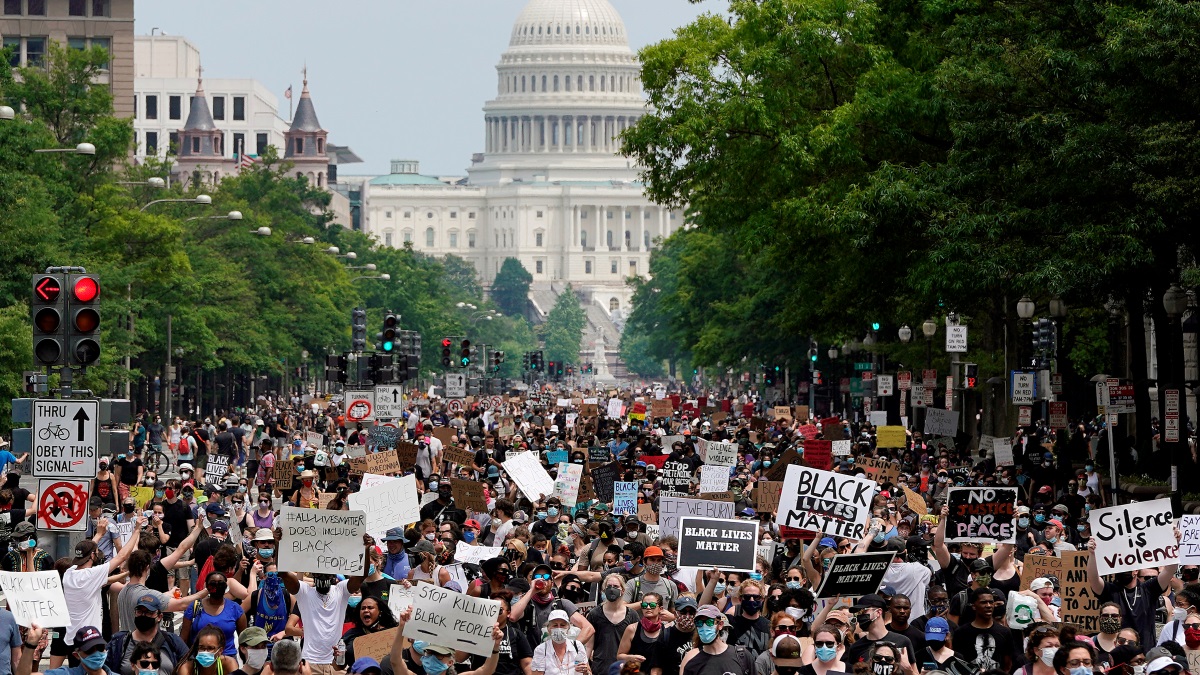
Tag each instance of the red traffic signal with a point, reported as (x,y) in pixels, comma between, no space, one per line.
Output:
(85,289)
(84,328)
(47,288)
(48,307)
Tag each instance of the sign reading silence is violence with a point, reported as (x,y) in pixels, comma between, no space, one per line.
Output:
(1134,536)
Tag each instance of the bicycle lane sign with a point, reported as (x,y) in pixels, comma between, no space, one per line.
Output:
(65,436)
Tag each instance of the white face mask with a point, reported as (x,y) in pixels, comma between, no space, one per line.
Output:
(255,658)
(558,635)
(1048,655)
(1179,614)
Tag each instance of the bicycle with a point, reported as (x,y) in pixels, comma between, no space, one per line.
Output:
(55,431)
(156,460)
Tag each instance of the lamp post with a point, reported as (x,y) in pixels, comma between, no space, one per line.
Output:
(1175,302)
(232,215)
(80,149)
(929,329)
(153,181)
(203,200)
(834,379)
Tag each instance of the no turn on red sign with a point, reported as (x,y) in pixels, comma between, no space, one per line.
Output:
(62,504)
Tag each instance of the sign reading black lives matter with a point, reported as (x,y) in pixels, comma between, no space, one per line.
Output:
(981,515)
(717,542)
(855,574)
(824,501)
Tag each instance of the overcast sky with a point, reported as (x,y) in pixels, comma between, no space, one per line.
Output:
(390,78)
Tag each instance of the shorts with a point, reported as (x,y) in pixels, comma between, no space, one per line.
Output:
(58,645)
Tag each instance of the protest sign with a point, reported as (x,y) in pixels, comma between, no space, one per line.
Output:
(382,462)
(675,478)
(473,555)
(841,448)
(35,596)
(825,501)
(779,469)
(801,413)
(385,436)
(356,450)
(782,412)
(832,429)
(406,453)
(916,503)
(372,479)
(124,531)
(818,454)
(624,498)
(376,645)
(1021,610)
(766,495)
(556,457)
(881,470)
(890,437)
(879,419)
(939,422)
(141,494)
(468,494)
(671,509)
(215,468)
(316,440)
(1080,606)
(982,515)
(714,478)
(1134,536)
(661,408)
(322,541)
(712,542)
(529,475)
(855,574)
(1035,566)
(603,479)
(566,486)
(400,598)
(445,435)
(808,431)
(599,454)
(390,504)
(721,454)
(589,410)
(283,473)
(453,620)
(457,454)
(1189,545)
(1002,450)
(614,408)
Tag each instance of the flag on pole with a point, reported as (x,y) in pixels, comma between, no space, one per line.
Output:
(245,161)
(288,94)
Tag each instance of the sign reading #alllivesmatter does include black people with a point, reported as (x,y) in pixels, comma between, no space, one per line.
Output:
(1134,536)
(824,501)
(714,542)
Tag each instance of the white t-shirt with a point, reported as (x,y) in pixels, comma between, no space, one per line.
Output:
(546,661)
(911,579)
(323,616)
(81,590)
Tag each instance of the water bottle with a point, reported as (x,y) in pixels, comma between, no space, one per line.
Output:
(339,653)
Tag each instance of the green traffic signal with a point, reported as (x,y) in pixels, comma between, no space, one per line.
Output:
(874,325)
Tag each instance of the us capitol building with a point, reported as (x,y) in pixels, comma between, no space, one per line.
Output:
(549,188)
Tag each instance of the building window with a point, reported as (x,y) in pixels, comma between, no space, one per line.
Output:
(239,108)
(387,214)
(175,107)
(591,83)
(555,83)
(429,215)
(105,44)
(387,239)
(543,84)
(195,144)
(14,57)
(587,266)
(579,81)
(538,239)
(135,106)
(320,146)
(35,50)
(646,239)
(151,107)
(239,144)
(539,214)
(429,237)
(12,7)
(538,266)
(173,142)
(614,265)
(583,238)
(260,144)
(408,236)
(567,80)
(218,109)
(608,238)
(151,142)
(628,239)
(471,239)
(633,268)
(609,214)
(77,43)
(453,240)
(36,8)
(101,7)
(614,304)
(77,7)
(471,215)
(454,214)
(408,214)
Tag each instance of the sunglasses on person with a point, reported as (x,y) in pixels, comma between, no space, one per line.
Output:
(94,650)
(545,577)
(752,596)
(785,628)
(1148,577)
(146,664)
(649,605)
(884,660)
(1126,641)
(825,643)
(795,579)
(1191,625)
(706,621)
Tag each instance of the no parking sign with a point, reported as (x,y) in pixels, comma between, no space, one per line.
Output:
(360,406)
(62,504)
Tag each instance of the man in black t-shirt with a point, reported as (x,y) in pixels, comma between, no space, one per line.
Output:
(983,643)
(176,515)
(868,612)
(226,445)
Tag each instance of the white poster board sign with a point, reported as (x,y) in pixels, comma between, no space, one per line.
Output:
(370,480)
(400,598)
(714,478)
(721,454)
(315,440)
(671,509)
(1134,536)
(1002,449)
(530,476)
(824,501)
(389,504)
(453,620)
(1189,545)
(614,408)
(879,418)
(624,498)
(566,486)
(35,596)
(322,541)
(476,554)
(940,422)
(841,448)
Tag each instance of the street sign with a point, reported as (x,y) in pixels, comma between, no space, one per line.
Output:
(497,403)
(918,395)
(884,385)
(904,380)
(929,378)
(62,504)
(1171,416)
(1056,383)
(956,339)
(389,402)
(1058,415)
(360,406)
(454,405)
(1025,415)
(485,403)
(65,438)
(456,385)
(1022,388)
(860,366)
(1120,399)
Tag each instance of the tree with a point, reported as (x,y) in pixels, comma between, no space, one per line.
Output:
(463,276)
(562,332)
(510,290)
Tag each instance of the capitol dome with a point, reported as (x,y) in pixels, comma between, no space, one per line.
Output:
(567,86)
(569,22)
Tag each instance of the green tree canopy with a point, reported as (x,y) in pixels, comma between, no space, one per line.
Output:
(510,290)
(562,332)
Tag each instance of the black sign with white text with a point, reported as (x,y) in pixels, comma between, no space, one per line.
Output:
(717,542)
(855,574)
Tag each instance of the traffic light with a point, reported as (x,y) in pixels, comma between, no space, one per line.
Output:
(464,354)
(537,361)
(570,371)
(391,326)
(497,358)
(83,330)
(587,368)
(48,309)
(447,359)
(970,375)
(816,377)
(380,368)
(551,370)
(769,375)
(875,325)
(560,369)
(358,330)
(812,351)
(335,368)
(525,361)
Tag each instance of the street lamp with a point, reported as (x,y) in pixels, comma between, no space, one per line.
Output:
(465,305)
(80,149)
(381,277)
(203,200)
(1058,308)
(307,241)
(333,250)
(263,231)
(7,113)
(929,329)
(349,255)
(370,267)
(232,215)
(1175,301)
(1026,308)
(905,334)
(869,340)
(832,353)
(153,181)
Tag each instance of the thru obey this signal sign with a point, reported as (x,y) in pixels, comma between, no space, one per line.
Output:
(65,438)
(62,504)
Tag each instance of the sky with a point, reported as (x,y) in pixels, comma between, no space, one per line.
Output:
(392,79)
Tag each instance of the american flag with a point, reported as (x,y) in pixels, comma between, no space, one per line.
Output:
(288,93)
(245,161)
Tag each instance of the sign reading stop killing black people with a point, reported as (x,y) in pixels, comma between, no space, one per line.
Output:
(981,515)
(855,574)
(716,542)
(824,501)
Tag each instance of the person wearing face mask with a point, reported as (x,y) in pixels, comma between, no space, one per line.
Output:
(104,485)
(827,650)
(610,619)
(82,584)
(1187,601)
(651,579)
(322,608)
(427,569)
(642,641)
(135,590)
(214,610)
(89,648)
(633,532)
(1138,600)
(145,628)
(1040,648)
(532,609)
(1078,658)
(558,654)
(868,612)
(749,627)
(443,508)
(206,657)
(254,648)
(422,658)
(547,525)
(680,635)
(395,564)
(714,654)
(496,574)
(937,654)
(25,556)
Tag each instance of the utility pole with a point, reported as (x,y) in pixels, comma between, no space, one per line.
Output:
(169,376)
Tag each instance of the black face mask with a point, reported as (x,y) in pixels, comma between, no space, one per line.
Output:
(129,508)
(1190,574)
(323,584)
(1122,578)
(145,624)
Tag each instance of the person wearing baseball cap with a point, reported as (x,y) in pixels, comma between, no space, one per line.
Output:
(651,579)
(868,613)
(88,646)
(714,654)
(253,645)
